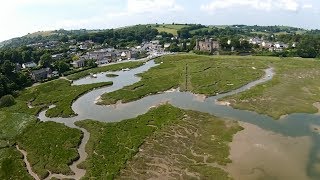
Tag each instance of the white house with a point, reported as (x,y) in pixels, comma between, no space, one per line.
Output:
(79,63)
(29,65)
(123,55)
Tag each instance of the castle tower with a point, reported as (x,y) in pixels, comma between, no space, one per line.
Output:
(197,45)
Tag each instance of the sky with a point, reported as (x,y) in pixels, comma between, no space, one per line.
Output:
(20,17)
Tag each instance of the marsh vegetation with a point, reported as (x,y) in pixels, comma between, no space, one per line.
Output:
(206,75)
(165,133)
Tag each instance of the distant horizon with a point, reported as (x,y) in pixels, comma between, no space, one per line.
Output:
(50,30)
(22,17)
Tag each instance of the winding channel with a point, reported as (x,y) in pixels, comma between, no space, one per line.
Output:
(294,125)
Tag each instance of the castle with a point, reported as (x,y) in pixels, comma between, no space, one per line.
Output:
(207,45)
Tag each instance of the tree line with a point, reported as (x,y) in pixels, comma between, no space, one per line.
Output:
(12,80)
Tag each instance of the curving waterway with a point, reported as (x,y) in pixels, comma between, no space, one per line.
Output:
(294,125)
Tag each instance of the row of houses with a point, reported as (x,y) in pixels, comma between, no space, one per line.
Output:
(271,46)
(108,55)
(98,54)
(211,46)
(46,45)
(42,74)
(104,56)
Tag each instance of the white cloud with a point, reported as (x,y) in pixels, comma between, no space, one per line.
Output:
(266,5)
(133,9)
(142,6)
(307,6)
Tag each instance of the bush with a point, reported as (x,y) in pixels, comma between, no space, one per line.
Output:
(6,101)
(202,52)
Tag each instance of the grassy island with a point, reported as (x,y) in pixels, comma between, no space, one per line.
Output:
(199,74)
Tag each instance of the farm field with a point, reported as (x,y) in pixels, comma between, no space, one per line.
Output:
(169,28)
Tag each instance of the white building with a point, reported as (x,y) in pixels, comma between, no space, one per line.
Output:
(29,65)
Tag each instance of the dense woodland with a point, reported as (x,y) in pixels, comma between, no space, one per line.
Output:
(16,50)
(114,37)
(12,80)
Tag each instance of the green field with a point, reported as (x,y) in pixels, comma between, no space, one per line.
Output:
(201,29)
(51,147)
(169,28)
(113,67)
(59,92)
(199,74)
(113,145)
(294,89)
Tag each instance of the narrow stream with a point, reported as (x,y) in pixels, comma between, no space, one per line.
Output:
(294,125)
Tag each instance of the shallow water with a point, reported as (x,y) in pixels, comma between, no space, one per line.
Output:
(294,125)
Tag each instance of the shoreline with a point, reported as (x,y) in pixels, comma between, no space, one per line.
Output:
(317,105)
(222,103)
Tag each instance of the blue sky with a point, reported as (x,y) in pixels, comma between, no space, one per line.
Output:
(19,17)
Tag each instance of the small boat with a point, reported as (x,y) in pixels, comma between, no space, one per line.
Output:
(126,69)
(93,75)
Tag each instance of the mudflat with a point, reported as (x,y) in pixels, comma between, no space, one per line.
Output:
(261,154)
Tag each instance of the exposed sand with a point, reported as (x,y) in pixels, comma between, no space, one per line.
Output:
(29,104)
(260,154)
(98,100)
(317,105)
(163,102)
(200,97)
(171,90)
(223,103)
(283,116)
(315,128)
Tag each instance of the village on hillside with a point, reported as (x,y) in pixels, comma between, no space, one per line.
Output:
(83,53)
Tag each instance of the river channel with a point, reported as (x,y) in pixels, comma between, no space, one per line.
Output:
(294,125)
